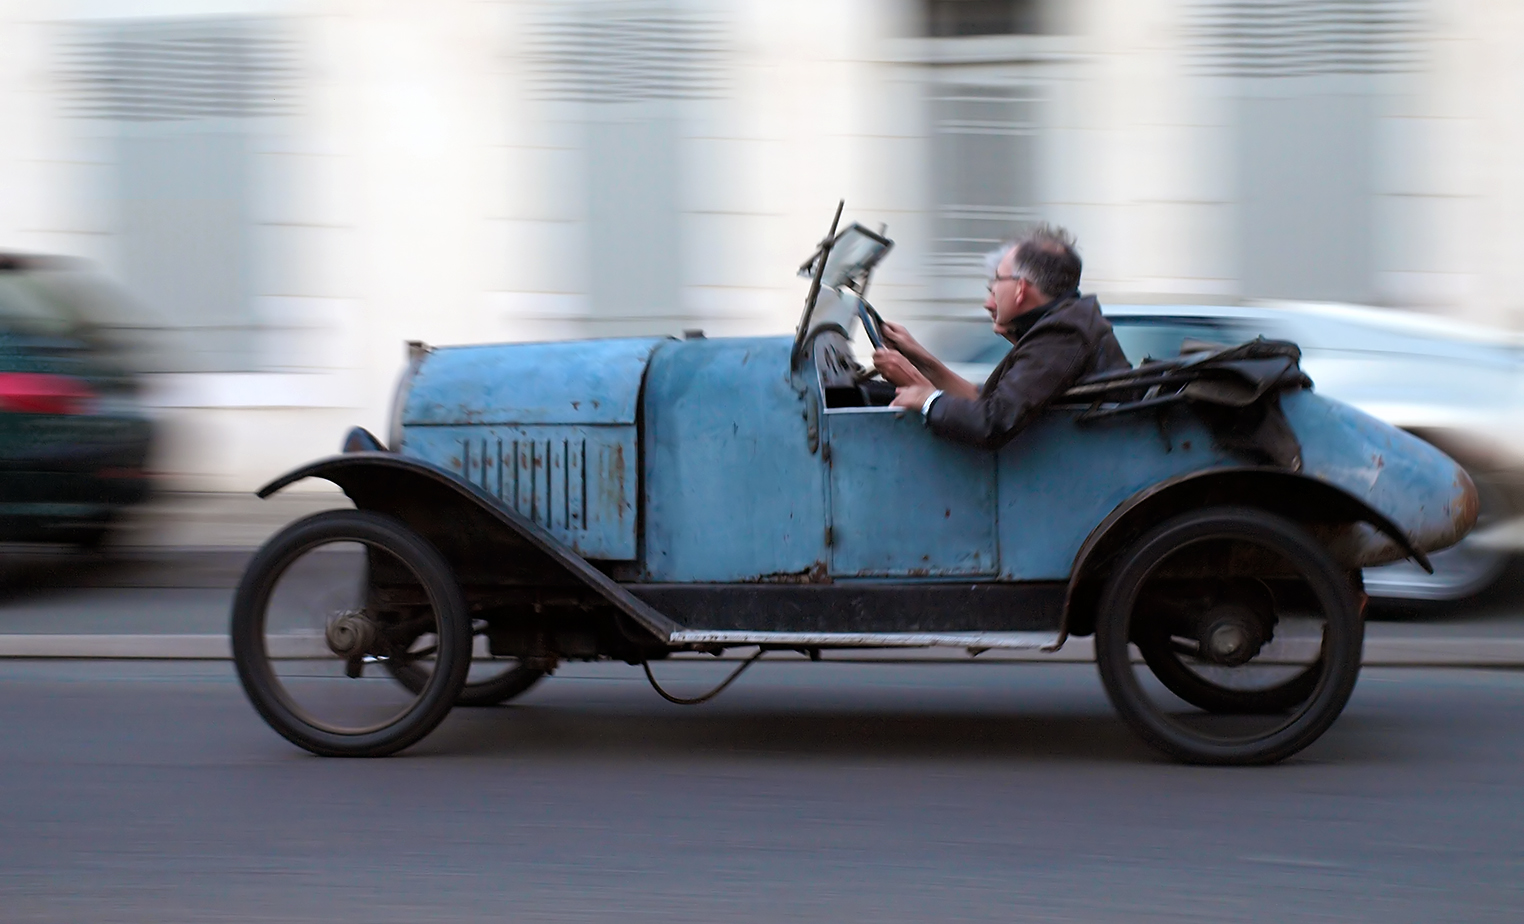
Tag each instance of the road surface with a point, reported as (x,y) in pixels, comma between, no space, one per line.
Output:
(150,792)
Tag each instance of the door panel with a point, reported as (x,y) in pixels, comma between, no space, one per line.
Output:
(904,502)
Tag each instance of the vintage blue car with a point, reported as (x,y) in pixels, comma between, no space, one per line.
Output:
(1204,516)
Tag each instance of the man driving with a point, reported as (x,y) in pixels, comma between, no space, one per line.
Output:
(1059,337)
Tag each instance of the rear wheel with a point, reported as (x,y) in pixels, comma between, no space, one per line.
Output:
(326,609)
(1248,637)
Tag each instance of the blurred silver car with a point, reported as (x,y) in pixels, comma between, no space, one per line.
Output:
(1459,386)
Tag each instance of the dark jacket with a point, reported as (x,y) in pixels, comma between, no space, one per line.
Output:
(1067,340)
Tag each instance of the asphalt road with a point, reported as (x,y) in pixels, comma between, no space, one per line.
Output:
(150,792)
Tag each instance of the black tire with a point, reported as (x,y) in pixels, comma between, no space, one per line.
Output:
(1342,637)
(255,669)
(1196,690)
(515,679)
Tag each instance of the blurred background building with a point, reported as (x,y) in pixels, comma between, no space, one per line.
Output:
(290,189)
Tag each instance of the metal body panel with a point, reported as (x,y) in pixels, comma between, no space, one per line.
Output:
(1058,479)
(732,490)
(573,382)
(1421,490)
(904,502)
(578,482)
(546,428)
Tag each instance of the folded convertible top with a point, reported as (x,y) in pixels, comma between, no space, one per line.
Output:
(1234,389)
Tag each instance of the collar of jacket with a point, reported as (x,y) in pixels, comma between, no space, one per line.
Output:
(1025,321)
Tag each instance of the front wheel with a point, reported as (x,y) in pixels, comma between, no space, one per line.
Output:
(1249,637)
(489,682)
(332,597)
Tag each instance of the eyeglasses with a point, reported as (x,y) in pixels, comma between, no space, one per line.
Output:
(990,286)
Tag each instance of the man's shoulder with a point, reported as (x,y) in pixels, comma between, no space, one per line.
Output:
(1081,313)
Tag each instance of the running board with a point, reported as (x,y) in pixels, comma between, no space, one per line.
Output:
(979,641)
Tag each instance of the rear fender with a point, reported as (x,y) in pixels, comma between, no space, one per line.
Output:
(477,534)
(1354,533)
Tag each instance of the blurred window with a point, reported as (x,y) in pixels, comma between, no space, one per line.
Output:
(1161,337)
(952,18)
(25,310)
(1308,80)
(984,171)
(184,100)
(630,75)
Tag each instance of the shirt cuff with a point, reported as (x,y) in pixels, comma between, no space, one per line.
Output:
(926,407)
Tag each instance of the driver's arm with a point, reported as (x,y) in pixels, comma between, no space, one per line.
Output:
(931,368)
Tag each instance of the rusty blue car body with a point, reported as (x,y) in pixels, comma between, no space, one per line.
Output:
(636,498)
(692,461)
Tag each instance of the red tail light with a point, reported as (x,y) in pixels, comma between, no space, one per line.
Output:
(38,393)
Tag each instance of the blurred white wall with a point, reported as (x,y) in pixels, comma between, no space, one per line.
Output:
(336,177)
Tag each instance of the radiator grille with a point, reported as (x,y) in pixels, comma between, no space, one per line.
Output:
(1301,38)
(545,480)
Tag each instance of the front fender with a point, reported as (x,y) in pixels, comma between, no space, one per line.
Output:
(469,526)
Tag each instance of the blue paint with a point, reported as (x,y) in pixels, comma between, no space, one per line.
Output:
(576,481)
(904,502)
(576,382)
(547,428)
(732,490)
(1059,479)
(1416,485)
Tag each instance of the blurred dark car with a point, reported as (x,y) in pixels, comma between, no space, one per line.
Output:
(74,439)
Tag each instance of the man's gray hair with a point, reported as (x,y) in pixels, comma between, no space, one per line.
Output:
(1045,257)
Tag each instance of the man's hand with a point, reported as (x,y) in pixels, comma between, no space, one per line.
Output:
(914,388)
(896,369)
(898,337)
(912,396)
(913,364)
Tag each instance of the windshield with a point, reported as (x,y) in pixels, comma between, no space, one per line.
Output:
(853,255)
(849,262)
(25,310)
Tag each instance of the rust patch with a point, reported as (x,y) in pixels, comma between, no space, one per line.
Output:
(611,482)
(1470,506)
(814,574)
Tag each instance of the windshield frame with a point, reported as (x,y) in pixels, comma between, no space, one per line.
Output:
(853,271)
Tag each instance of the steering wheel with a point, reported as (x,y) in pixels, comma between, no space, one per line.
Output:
(872,323)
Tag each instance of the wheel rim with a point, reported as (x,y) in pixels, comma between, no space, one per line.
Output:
(337,612)
(1228,663)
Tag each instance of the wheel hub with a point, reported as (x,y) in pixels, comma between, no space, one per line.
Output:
(350,634)
(1231,634)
